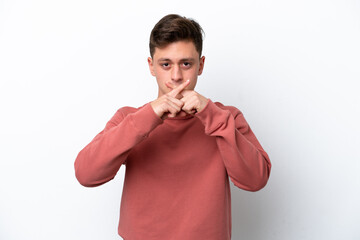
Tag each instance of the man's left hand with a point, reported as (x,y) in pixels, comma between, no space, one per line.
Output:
(193,101)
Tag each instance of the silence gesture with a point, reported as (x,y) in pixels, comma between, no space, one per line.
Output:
(168,105)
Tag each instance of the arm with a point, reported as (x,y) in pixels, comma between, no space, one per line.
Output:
(101,159)
(247,164)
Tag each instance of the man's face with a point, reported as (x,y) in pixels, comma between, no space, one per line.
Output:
(174,64)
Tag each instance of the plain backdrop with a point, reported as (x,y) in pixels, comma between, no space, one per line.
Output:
(292,68)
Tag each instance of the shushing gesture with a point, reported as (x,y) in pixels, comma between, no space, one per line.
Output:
(179,99)
(193,101)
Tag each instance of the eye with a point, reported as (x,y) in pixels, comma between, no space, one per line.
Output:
(165,65)
(187,64)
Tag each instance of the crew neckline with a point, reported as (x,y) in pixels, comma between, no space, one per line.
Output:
(187,116)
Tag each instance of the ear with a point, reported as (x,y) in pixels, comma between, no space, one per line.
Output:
(201,65)
(151,66)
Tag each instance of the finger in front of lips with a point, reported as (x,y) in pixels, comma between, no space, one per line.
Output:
(169,85)
(179,88)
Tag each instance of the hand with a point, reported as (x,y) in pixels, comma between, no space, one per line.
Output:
(193,101)
(168,105)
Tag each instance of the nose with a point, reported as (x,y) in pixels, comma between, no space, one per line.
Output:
(176,74)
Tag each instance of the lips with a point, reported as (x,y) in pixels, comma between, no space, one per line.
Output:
(170,86)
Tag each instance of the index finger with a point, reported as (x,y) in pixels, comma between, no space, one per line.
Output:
(179,88)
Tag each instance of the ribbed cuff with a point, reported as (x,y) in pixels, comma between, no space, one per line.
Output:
(145,120)
(212,116)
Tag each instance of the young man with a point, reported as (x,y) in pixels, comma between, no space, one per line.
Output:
(179,150)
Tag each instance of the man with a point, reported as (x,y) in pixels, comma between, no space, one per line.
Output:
(179,150)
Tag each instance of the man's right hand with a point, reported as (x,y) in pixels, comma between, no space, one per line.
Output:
(168,105)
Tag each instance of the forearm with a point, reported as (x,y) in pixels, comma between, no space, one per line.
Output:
(100,160)
(246,162)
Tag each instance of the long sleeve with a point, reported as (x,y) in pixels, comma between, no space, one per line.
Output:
(246,163)
(101,159)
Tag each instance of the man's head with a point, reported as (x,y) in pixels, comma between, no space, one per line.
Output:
(175,49)
(174,28)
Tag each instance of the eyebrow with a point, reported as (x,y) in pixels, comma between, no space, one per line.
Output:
(181,60)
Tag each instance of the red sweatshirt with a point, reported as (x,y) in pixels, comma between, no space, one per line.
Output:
(176,183)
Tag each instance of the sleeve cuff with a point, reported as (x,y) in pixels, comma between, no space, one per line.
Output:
(145,120)
(212,116)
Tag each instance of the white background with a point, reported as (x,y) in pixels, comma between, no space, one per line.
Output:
(292,67)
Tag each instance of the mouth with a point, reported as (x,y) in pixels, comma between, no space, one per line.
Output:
(170,86)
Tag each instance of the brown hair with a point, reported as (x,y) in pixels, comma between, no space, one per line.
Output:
(173,28)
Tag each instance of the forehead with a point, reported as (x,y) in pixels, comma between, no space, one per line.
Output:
(177,50)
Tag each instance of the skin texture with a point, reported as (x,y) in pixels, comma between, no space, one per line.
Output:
(176,68)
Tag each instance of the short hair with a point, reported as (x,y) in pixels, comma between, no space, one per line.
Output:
(173,28)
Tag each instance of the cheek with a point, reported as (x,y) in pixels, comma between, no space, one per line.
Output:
(191,75)
(160,74)
(192,84)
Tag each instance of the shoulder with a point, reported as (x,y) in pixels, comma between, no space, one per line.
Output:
(233,110)
(240,121)
(127,110)
(122,112)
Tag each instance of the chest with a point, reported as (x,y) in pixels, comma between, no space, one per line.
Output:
(176,144)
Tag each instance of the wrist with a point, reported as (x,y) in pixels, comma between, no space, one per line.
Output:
(204,101)
(204,105)
(156,109)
